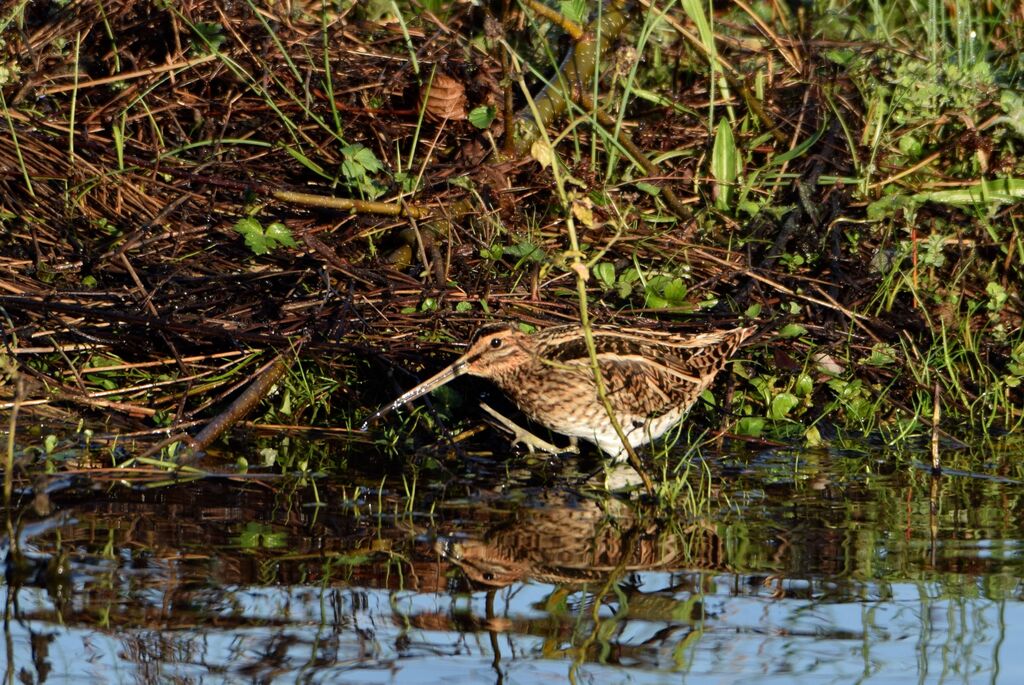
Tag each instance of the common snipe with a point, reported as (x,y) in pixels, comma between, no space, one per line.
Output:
(651,378)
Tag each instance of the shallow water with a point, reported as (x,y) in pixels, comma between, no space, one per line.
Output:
(771,567)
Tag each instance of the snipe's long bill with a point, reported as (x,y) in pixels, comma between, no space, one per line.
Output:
(651,378)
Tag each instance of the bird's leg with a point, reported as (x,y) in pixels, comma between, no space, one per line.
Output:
(522,436)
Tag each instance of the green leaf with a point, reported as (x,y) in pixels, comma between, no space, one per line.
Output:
(351,559)
(653,301)
(860,408)
(358,165)
(749,208)
(801,148)
(751,426)
(881,355)
(268,456)
(258,535)
(305,161)
(625,281)
(482,116)
(724,165)
(630,275)
(648,188)
(888,205)
(253,232)
(695,10)
(464,182)
(526,250)
(910,146)
(997,295)
(574,10)
(247,225)
(840,56)
(741,370)
(675,292)
(278,233)
(1013,105)
(654,290)
(804,385)
(782,404)
(812,437)
(792,330)
(362,156)
(210,36)
(494,252)
(604,272)
(934,246)
(994,191)
(261,242)
(838,386)
(101,381)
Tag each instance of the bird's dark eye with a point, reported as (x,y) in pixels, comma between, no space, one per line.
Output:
(496,343)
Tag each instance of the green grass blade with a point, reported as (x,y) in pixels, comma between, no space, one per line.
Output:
(724,165)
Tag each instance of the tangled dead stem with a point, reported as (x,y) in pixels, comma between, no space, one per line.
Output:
(152,258)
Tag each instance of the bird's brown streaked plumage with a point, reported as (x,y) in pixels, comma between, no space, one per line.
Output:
(651,378)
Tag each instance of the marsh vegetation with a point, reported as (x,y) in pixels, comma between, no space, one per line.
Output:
(229,233)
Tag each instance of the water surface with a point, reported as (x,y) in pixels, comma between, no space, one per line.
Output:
(772,566)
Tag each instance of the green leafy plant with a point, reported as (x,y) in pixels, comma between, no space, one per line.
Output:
(725,165)
(881,355)
(622,282)
(854,398)
(260,536)
(525,251)
(574,10)
(663,292)
(209,37)
(1015,367)
(260,240)
(358,168)
(482,116)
